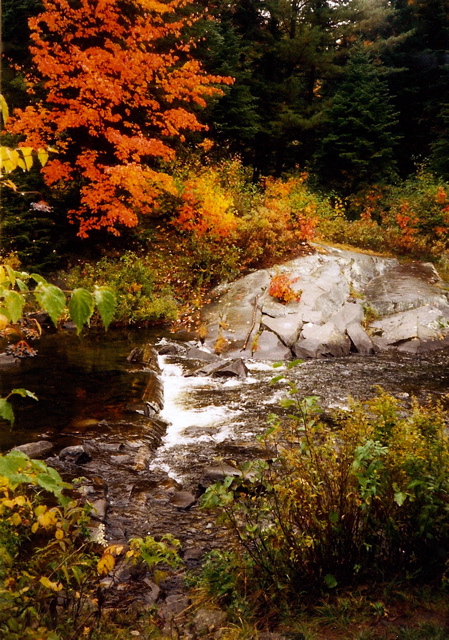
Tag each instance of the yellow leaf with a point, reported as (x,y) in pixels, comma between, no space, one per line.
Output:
(35,527)
(105,564)
(42,155)
(40,509)
(46,582)
(59,534)
(114,549)
(27,154)
(16,519)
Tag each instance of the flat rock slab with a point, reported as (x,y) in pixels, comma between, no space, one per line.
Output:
(337,289)
(405,287)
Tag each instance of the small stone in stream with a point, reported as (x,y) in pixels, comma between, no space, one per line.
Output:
(219,472)
(75,453)
(182,499)
(229,368)
(151,595)
(195,353)
(35,449)
(99,509)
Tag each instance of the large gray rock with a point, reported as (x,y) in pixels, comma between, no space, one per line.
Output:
(425,323)
(360,339)
(405,287)
(245,321)
(322,340)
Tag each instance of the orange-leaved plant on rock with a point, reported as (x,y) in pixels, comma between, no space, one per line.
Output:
(120,89)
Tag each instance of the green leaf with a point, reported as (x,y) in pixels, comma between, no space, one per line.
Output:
(106,301)
(330,581)
(81,307)
(24,393)
(400,497)
(14,303)
(37,278)
(51,299)
(6,411)
(11,274)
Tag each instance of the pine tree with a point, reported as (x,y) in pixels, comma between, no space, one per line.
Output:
(357,147)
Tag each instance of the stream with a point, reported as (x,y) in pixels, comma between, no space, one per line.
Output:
(147,475)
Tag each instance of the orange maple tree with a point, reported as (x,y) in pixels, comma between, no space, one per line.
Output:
(120,88)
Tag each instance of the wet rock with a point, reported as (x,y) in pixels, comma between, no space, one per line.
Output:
(35,449)
(7,360)
(153,396)
(76,454)
(99,509)
(151,595)
(146,355)
(226,368)
(194,353)
(219,472)
(207,621)
(182,499)
(170,349)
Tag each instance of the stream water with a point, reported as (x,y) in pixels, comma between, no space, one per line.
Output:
(89,394)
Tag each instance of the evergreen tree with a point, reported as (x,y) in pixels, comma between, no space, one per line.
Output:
(421,82)
(357,147)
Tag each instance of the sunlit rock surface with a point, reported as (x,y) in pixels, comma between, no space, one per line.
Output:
(349,302)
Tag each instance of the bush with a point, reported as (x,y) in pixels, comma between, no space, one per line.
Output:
(410,218)
(361,496)
(50,563)
(133,280)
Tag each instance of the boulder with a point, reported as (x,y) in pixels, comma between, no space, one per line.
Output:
(223,369)
(35,449)
(76,454)
(269,347)
(425,322)
(360,339)
(182,499)
(287,328)
(321,340)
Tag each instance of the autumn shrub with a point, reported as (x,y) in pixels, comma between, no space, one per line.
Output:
(416,214)
(139,299)
(221,213)
(281,288)
(283,216)
(360,496)
(51,560)
(409,218)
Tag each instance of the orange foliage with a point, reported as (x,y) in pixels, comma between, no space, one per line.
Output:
(281,288)
(119,84)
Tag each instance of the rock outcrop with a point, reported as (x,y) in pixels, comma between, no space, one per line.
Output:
(348,302)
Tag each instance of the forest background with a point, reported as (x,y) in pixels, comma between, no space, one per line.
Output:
(216,137)
(159,148)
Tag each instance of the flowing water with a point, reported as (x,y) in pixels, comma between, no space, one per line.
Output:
(89,394)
